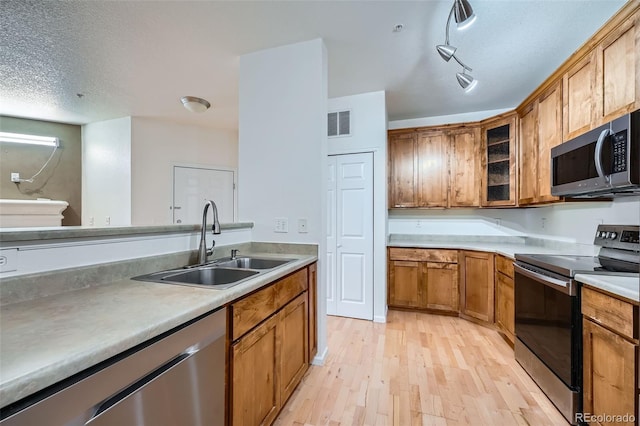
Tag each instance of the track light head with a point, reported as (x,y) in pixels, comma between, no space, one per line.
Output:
(463,13)
(446,51)
(466,81)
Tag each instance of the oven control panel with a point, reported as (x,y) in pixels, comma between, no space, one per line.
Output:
(618,236)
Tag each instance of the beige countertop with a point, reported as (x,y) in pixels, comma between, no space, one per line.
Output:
(507,247)
(627,287)
(46,340)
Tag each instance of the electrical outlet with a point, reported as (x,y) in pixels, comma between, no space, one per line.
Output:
(91,221)
(302,226)
(107,220)
(8,260)
(543,222)
(281,225)
(15,177)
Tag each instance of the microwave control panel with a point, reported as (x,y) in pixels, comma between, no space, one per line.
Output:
(619,143)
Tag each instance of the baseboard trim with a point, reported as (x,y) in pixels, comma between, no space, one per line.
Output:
(320,358)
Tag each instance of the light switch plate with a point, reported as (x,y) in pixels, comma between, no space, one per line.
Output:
(281,225)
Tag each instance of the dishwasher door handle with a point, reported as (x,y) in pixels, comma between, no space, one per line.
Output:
(189,389)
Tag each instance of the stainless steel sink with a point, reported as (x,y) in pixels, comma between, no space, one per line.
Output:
(251,263)
(219,274)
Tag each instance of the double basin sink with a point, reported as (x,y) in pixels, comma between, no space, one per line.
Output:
(219,274)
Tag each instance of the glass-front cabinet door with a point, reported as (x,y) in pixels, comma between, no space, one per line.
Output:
(498,161)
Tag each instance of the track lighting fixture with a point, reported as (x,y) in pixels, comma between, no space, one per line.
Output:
(464,16)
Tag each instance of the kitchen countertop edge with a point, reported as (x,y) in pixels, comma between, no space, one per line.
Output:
(23,376)
(625,287)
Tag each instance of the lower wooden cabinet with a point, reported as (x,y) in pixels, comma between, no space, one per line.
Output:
(476,285)
(255,391)
(294,348)
(611,375)
(270,347)
(312,305)
(504,295)
(423,279)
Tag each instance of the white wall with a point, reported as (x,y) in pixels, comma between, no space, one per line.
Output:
(369,134)
(106,173)
(573,222)
(156,146)
(282,147)
(446,119)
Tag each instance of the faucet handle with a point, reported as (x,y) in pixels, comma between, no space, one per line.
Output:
(234,253)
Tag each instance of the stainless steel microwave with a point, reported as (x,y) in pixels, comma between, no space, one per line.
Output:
(602,162)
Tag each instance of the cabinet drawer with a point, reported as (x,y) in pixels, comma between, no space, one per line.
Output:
(423,255)
(613,313)
(290,287)
(504,265)
(253,309)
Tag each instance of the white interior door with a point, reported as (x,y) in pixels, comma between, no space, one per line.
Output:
(353,246)
(332,307)
(193,185)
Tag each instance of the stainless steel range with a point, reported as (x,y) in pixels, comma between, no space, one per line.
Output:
(548,324)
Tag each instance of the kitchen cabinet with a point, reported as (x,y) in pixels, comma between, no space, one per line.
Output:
(254,363)
(269,347)
(618,71)
(476,285)
(504,295)
(423,279)
(403,170)
(499,161)
(464,167)
(312,305)
(579,84)
(605,83)
(610,356)
(418,169)
(540,130)
(433,170)
(435,167)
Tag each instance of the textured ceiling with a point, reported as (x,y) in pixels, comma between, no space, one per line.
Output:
(138,58)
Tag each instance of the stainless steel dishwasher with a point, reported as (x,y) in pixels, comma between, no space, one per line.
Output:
(177,379)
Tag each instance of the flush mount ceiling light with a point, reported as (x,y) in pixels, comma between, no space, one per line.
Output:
(463,13)
(29,139)
(195,104)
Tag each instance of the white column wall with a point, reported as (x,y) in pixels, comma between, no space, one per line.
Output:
(369,134)
(106,173)
(282,145)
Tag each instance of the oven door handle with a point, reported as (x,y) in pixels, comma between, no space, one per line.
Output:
(565,287)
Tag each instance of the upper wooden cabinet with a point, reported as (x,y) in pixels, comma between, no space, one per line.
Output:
(618,71)
(433,170)
(403,170)
(549,135)
(464,163)
(540,130)
(435,167)
(579,85)
(499,162)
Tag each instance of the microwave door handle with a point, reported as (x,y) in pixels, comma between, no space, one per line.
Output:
(598,153)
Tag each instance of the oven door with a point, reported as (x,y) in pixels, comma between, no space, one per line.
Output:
(547,321)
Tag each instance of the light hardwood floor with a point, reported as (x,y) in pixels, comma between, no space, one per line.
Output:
(417,369)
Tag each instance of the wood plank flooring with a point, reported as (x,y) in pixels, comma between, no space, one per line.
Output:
(417,369)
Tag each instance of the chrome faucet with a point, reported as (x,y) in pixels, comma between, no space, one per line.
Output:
(234,254)
(203,251)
